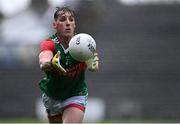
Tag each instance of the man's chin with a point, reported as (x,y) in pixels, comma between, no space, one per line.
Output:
(68,35)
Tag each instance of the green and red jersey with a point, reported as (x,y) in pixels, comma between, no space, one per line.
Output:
(57,85)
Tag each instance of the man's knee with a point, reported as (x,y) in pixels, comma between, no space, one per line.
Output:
(55,118)
(73,115)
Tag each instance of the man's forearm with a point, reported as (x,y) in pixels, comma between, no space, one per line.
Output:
(45,60)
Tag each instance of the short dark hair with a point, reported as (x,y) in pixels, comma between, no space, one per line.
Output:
(64,9)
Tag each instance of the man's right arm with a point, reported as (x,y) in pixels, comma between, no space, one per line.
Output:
(46,54)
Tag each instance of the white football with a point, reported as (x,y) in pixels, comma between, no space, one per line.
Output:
(82,47)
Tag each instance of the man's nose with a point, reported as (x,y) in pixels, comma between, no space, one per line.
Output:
(67,22)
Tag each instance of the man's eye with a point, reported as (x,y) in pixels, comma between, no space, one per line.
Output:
(71,19)
(62,19)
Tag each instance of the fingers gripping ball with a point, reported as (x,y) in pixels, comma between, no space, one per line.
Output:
(56,63)
(82,47)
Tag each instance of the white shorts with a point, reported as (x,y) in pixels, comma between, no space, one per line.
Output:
(56,107)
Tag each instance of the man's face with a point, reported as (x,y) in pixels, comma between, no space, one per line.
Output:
(65,24)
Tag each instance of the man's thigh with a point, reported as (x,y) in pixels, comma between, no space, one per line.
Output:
(56,107)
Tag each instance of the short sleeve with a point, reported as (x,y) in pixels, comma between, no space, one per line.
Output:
(47,45)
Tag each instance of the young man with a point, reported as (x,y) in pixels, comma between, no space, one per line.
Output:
(64,88)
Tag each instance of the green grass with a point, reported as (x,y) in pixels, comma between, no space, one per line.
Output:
(143,121)
(34,120)
(18,120)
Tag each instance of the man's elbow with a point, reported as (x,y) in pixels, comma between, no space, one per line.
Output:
(45,66)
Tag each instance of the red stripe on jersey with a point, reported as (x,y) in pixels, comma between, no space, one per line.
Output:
(47,45)
(83,65)
(82,108)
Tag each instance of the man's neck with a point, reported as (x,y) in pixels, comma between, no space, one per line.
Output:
(64,41)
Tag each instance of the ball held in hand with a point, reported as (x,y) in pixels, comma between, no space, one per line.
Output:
(82,47)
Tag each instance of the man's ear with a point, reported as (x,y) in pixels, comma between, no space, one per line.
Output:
(54,25)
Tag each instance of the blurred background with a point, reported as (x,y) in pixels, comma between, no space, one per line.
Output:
(139,50)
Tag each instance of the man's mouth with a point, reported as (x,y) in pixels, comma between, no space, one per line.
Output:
(68,29)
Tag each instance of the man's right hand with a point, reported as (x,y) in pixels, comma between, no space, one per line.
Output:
(56,62)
